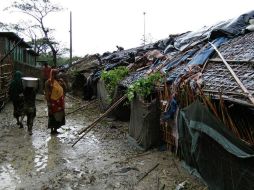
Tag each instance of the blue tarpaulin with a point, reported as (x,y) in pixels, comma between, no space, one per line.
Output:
(178,61)
(199,59)
(207,52)
(170,113)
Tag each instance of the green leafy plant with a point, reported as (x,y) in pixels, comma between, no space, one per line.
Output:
(113,77)
(143,86)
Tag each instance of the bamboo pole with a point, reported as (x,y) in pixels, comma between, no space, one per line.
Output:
(225,92)
(241,102)
(149,171)
(251,98)
(81,107)
(204,66)
(207,102)
(6,55)
(87,129)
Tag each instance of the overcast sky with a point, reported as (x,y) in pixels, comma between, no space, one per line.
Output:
(100,25)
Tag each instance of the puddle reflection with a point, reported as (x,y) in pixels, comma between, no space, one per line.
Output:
(41,152)
(8,177)
(33,156)
(54,153)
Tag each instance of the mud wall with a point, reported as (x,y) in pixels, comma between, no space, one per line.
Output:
(6,69)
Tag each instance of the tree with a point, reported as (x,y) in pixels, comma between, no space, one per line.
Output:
(38,10)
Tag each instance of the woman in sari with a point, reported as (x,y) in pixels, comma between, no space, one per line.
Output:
(54,92)
(17,98)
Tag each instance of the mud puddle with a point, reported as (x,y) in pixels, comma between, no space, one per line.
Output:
(103,159)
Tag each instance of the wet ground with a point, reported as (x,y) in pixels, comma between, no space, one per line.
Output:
(103,159)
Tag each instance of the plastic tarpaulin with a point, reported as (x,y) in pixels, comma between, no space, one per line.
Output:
(178,61)
(122,111)
(144,125)
(229,28)
(191,38)
(223,161)
(233,27)
(199,59)
(204,54)
(102,95)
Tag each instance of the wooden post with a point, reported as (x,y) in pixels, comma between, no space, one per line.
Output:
(70,38)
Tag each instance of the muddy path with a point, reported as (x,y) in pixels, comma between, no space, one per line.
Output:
(104,159)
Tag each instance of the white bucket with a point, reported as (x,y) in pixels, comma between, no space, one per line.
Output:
(30,82)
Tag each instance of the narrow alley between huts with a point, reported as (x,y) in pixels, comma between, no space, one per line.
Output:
(103,159)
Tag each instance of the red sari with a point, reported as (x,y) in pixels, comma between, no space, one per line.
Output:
(55,98)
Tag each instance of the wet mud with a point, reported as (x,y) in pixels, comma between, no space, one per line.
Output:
(103,159)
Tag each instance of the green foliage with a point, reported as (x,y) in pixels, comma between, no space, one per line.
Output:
(113,77)
(143,86)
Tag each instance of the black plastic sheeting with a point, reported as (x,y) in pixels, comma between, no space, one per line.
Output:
(233,27)
(206,145)
(90,88)
(144,125)
(230,28)
(127,56)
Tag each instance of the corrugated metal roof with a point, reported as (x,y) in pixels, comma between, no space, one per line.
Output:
(15,37)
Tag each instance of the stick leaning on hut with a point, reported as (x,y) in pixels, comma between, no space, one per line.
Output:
(92,125)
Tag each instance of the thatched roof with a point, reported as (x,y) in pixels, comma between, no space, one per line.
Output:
(238,52)
(239,48)
(186,54)
(217,79)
